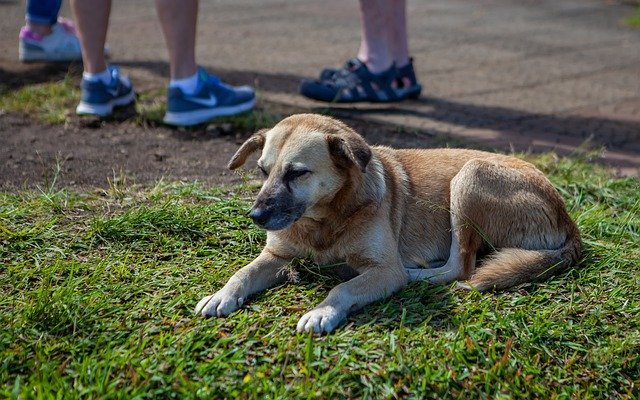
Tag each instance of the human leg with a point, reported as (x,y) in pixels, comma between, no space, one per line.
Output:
(42,14)
(406,80)
(384,42)
(92,19)
(178,20)
(375,38)
(103,88)
(194,96)
(397,32)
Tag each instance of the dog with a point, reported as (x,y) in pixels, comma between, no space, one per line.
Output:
(489,221)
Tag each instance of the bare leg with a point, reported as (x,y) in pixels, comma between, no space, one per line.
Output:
(399,44)
(92,21)
(383,38)
(374,36)
(178,20)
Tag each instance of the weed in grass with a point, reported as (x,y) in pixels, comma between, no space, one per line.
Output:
(97,295)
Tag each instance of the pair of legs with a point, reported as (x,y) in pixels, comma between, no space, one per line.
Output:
(178,20)
(194,96)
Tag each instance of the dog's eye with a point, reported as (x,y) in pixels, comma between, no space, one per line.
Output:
(295,173)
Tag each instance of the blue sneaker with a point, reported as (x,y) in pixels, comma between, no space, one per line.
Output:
(100,99)
(212,99)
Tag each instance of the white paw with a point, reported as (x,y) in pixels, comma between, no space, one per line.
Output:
(223,303)
(321,319)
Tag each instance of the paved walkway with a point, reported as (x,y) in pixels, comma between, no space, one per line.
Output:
(529,75)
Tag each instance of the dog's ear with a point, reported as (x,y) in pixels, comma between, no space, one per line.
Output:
(347,150)
(255,142)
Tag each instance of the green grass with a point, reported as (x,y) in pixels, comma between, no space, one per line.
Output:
(633,21)
(97,291)
(51,102)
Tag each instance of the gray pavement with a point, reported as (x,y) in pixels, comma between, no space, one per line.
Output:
(528,75)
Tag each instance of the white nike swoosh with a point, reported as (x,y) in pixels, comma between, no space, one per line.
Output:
(210,102)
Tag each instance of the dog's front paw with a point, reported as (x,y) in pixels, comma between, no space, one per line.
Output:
(321,319)
(220,304)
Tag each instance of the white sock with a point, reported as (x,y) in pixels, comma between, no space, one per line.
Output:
(104,76)
(188,85)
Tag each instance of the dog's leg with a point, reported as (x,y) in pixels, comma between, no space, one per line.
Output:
(374,283)
(466,237)
(465,242)
(514,209)
(265,271)
(436,276)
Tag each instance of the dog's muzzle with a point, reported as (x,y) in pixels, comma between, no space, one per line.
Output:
(275,217)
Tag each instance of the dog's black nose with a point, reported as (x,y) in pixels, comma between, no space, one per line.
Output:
(259,216)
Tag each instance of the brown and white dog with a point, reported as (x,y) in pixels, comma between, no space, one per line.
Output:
(394,216)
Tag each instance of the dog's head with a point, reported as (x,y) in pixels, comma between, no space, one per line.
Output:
(306,159)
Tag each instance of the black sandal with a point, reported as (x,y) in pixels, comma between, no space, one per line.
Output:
(355,83)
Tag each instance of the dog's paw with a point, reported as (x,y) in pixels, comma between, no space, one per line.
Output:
(220,304)
(321,319)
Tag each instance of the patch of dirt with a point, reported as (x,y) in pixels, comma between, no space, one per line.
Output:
(89,153)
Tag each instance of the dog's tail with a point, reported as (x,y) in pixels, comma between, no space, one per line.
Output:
(511,266)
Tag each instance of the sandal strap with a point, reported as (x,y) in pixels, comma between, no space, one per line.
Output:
(328,73)
(357,83)
(406,83)
(408,72)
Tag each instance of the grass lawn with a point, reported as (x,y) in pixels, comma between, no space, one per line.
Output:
(97,291)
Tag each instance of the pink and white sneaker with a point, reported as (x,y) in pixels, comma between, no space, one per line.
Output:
(62,44)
